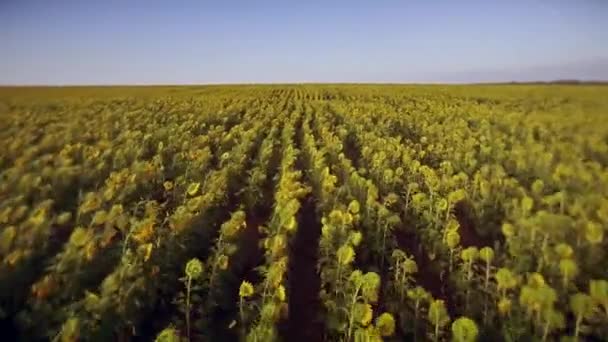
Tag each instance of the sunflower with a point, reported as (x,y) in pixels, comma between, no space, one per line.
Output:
(385,324)
(194,268)
(246,289)
(193,188)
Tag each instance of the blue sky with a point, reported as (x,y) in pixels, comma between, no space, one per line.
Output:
(175,42)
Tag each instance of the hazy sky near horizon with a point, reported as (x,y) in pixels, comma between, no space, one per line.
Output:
(158,42)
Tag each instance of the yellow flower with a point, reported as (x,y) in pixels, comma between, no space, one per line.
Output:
(385,324)
(469,254)
(145,232)
(410,266)
(355,238)
(194,268)
(508,230)
(464,329)
(92,202)
(363,313)
(486,254)
(193,188)
(90,250)
(504,306)
(346,255)
(281,293)
(442,204)
(195,204)
(246,289)
(168,335)
(354,207)
(168,185)
(594,233)
(70,331)
(99,218)
(223,262)
(39,217)
(64,218)
(147,251)
(348,219)
(291,224)
(452,239)
(278,244)
(80,236)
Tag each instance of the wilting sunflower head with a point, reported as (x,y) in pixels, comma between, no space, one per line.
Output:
(246,289)
(169,334)
(508,230)
(70,331)
(464,330)
(469,254)
(594,233)
(355,238)
(336,217)
(193,188)
(363,313)
(291,224)
(442,204)
(370,286)
(437,312)
(452,239)
(354,207)
(505,279)
(223,262)
(568,268)
(385,324)
(504,306)
(348,219)
(409,266)
(346,255)
(536,280)
(194,268)
(418,293)
(563,250)
(486,254)
(281,293)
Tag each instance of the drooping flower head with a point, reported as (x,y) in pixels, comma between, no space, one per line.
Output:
(194,268)
(246,289)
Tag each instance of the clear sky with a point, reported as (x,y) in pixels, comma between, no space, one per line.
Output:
(224,41)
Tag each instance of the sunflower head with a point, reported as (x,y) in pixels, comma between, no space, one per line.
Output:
(223,262)
(194,268)
(486,254)
(508,230)
(469,254)
(409,266)
(452,239)
(464,330)
(246,289)
(354,207)
(281,293)
(385,324)
(363,313)
(346,255)
(504,306)
(169,334)
(355,238)
(193,188)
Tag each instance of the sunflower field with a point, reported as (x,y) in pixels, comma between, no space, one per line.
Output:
(304,213)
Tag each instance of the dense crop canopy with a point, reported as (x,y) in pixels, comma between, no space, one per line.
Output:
(314,212)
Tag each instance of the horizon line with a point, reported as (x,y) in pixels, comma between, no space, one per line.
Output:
(84,85)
